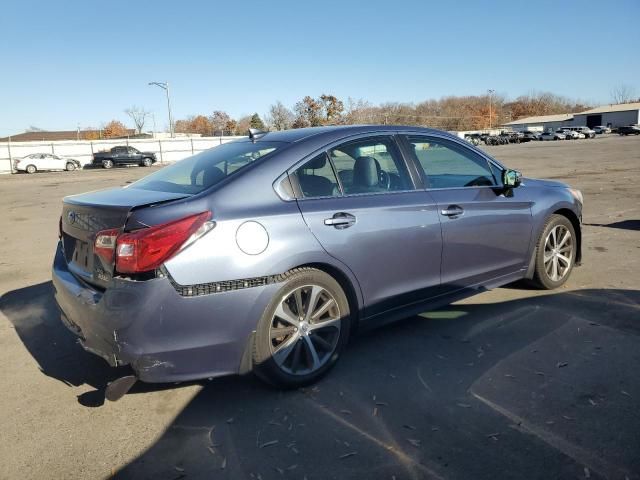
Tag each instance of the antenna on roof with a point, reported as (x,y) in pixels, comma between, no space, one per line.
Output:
(254,133)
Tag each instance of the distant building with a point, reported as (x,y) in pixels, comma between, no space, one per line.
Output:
(609,115)
(542,122)
(42,136)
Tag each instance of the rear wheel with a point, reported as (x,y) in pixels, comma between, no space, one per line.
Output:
(31,169)
(555,253)
(147,162)
(70,167)
(107,164)
(303,330)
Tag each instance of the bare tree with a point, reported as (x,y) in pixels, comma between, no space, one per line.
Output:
(219,121)
(279,116)
(139,116)
(622,93)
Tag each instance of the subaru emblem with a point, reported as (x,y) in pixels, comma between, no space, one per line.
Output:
(71,217)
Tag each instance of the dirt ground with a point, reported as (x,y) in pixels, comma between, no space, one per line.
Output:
(513,383)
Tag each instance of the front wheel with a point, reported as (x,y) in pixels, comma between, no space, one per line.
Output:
(70,167)
(147,162)
(555,253)
(107,164)
(31,169)
(303,330)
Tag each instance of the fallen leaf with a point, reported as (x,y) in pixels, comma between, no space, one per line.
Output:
(508,375)
(213,452)
(269,444)
(624,393)
(561,364)
(540,373)
(592,402)
(410,427)
(292,467)
(383,404)
(347,455)
(414,442)
(587,473)
(230,420)
(280,471)
(434,429)
(464,405)
(346,412)
(224,463)
(375,412)
(567,417)
(179,469)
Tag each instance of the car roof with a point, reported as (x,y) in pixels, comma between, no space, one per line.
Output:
(299,134)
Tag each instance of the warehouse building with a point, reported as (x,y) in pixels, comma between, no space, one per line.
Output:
(542,122)
(609,115)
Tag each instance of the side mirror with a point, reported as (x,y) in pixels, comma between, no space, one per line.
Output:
(511,178)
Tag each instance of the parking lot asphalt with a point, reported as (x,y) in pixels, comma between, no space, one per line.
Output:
(512,383)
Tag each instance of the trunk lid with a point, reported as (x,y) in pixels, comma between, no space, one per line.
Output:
(83,216)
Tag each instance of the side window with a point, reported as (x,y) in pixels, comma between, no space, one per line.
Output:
(317,178)
(448,165)
(371,165)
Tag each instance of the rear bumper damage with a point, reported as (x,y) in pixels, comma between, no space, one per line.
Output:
(164,336)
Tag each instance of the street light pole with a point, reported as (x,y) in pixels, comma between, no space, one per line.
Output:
(165,87)
(490,92)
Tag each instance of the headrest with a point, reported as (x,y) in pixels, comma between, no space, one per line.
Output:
(316,163)
(366,172)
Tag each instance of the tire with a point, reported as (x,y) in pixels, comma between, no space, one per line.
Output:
(70,167)
(554,232)
(288,360)
(31,169)
(107,164)
(146,162)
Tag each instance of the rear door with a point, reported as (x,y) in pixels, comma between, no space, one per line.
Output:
(486,230)
(119,155)
(360,201)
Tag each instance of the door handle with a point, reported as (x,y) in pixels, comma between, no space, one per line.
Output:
(452,211)
(340,220)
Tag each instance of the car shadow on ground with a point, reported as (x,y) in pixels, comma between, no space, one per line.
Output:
(432,395)
(539,387)
(623,225)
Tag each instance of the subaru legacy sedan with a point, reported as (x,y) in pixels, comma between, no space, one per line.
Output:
(267,253)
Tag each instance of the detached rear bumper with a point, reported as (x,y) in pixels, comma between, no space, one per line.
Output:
(161,334)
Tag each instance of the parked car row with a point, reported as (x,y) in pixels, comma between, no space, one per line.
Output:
(38,162)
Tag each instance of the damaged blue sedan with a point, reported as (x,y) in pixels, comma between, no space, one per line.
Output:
(267,253)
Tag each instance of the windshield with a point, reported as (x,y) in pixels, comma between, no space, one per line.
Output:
(195,174)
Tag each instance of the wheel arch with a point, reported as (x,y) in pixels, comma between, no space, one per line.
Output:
(355,304)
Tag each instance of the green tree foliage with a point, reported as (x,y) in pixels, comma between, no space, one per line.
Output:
(256,122)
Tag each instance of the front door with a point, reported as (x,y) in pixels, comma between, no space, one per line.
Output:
(486,230)
(360,202)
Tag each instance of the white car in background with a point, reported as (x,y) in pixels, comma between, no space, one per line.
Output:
(571,134)
(45,161)
(600,129)
(552,136)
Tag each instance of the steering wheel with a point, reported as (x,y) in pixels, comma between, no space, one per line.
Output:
(384,180)
(480,181)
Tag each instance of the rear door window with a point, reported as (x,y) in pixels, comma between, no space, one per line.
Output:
(370,165)
(317,178)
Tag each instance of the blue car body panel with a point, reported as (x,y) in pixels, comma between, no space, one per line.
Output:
(196,317)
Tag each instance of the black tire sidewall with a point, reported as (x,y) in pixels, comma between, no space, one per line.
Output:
(264,364)
(541,278)
(107,164)
(72,165)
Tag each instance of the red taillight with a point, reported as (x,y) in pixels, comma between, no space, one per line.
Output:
(147,249)
(105,244)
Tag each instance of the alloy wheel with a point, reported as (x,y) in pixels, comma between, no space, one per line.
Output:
(304,330)
(558,252)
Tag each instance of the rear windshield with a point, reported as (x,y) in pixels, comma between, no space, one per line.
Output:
(195,174)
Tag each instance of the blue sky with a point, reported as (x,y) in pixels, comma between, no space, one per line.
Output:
(66,63)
